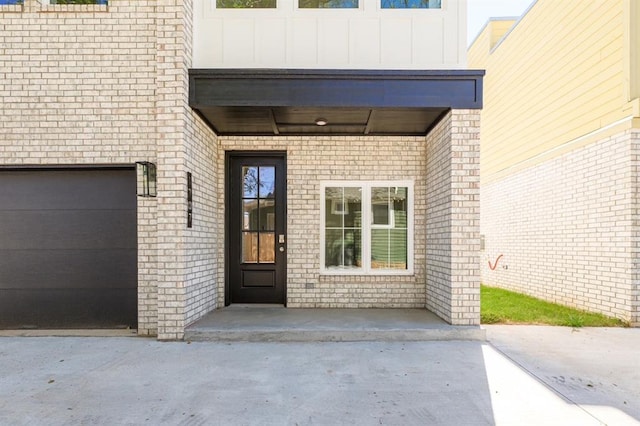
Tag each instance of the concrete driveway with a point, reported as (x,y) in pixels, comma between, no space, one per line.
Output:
(595,368)
(129,380)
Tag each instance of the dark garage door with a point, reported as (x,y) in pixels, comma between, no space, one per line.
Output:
(68,248)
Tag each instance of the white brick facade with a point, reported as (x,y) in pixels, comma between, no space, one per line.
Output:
(101,85)
(312,159)
(453,277)
(69,96)
(567,229)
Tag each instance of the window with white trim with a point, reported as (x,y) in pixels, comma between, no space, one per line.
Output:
(367,228)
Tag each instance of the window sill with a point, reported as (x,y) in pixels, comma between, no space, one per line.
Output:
(361,273)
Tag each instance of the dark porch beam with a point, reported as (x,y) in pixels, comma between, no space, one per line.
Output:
(459,89)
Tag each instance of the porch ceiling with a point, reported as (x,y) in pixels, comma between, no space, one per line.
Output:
(362,102)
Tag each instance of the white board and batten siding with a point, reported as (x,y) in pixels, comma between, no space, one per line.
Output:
(368,37)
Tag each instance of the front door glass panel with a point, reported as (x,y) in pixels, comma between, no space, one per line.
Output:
(258,214)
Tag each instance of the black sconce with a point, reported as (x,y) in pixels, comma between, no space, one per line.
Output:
(146,173)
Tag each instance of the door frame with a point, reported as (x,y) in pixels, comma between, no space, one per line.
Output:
(228,157)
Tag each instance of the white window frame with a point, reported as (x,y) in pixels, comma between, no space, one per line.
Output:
(367,226)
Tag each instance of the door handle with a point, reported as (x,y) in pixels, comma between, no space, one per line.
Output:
(281,239)
(281,249)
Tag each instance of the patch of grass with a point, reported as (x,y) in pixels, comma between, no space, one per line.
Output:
(500,306)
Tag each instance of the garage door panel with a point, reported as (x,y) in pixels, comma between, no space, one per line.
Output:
(68,248)
(103,308)
(67,229)
(78,269)
(60,190)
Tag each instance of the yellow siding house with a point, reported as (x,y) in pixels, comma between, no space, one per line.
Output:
(560,151)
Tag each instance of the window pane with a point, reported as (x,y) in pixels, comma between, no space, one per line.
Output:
(334,248)
(250,215)
(379,249)
(328,4)
(267,247)
(267,215)
(334,207)
(249,247)
(398,249)
(352,207)
(398,198)
(267,182)
(246,4)
(250,182)
(389,243)
(380,206)
(343,223)
(352,255)
(411,4)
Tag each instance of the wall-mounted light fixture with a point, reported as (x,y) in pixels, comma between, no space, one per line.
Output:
(146,177)
(321,122)
(189,200)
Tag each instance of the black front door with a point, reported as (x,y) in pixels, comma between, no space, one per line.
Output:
(256,235)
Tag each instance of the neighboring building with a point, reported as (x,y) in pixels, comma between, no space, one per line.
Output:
(559,158)
(305,157)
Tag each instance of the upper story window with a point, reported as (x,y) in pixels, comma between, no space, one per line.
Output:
(328,4)
(411,4)
(10,2)
(246,4)
(367,228)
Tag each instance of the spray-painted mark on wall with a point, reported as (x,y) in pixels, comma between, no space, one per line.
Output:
(495,265)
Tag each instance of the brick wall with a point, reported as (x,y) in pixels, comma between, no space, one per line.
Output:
(453,276)
(207,233)
(568,229)
(635,251)
(312,159)
(77,84)
(187,286)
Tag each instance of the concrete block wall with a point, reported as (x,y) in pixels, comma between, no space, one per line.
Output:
(77,84)
(313,159)
(567,229)
(452,226)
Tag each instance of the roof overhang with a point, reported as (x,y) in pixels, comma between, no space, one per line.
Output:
(352,102)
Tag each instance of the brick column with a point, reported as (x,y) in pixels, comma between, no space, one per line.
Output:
(453,218)
(171,107)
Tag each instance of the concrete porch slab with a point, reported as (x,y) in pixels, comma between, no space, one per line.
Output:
(278,324)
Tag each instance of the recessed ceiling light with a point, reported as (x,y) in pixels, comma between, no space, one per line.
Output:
(321,121)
